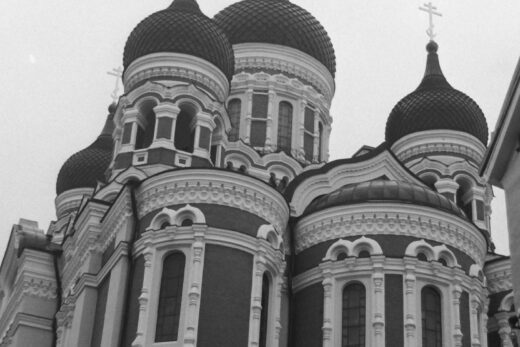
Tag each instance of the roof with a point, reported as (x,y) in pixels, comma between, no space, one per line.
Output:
(278,22)
(181,28)
(85,168)
(381,190)
(435,105)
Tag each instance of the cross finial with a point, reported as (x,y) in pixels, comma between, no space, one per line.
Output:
(117,73)
(431,10)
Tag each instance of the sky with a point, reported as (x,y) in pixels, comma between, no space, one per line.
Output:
(55,90)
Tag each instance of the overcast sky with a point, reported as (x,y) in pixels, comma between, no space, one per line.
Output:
(54,89)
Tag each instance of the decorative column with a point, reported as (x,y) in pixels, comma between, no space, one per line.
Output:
(301,126)
(474,321)
(197,251)
(378,280)
(328,306)
(249,111)
(164,112)
(456,293)
(270,130)
(315,154)
(410,302)
(484,319)
(144,298)
(504,328)
(256,298)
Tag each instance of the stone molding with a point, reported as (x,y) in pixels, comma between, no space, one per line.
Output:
(438,141)
(498,276)
(176,65)
(219,187)
(390,219)
(288,60)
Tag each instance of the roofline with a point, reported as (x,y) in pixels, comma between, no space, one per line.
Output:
(506,106)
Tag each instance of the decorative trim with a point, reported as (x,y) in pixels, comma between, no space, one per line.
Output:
(390,219)
(213,187)
(498,276)
(180,66)
(433,253)
(352,249)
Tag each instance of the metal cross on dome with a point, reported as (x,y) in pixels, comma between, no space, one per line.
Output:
(431,10)
(117,73)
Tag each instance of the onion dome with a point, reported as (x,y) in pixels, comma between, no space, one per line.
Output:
(435,105)
(85,168)
(181,28)
(278,22)
(384,191)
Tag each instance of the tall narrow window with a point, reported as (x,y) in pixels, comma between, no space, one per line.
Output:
(234,107)
(354,316)
(265,311)
(431,317)
(185,130)
(259,119)
(170,298)
(308,135)
(285,127)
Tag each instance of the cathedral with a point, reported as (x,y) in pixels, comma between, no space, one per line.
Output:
(206,212)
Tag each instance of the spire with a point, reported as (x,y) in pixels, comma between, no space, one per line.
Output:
(185,5)
(433,76)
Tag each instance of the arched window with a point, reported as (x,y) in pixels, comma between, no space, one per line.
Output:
(265,311)
(285,113)
(354,316)
(185,129)
(422,257)
(234,107)
(144,136)
(259,118)
(431,314)
(170,298)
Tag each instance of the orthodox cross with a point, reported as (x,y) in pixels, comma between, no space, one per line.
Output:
(117,73)
(431,10)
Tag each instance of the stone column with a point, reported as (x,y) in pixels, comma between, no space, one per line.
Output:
(410,303)
(315,154)
(504,328)
(456,293)
(247,118)
(474,321)
(197,251)
(256,298)
(328,308)
(271,131)
(301,126)
(378,280)
(144,298)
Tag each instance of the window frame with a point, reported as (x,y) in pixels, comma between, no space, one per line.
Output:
(366,318)
(258,119)
(446,311)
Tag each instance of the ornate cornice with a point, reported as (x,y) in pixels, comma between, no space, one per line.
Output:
(390,219)
(219,187)
(498,276)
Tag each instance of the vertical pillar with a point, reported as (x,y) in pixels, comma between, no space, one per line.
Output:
(256,299)
(316,144)
(190,335)
(115,303)
(456,293)
(270,130)
(410,303)
(378,280)
(144,298)
(301,127)
(504,328)
(249,110)
(474,321)
(484,319)
(83,322)
(328,307)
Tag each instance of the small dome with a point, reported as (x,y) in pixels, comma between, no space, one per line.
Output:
(435,105)
(181,28)
(278,22)
(85,168)
(384,191)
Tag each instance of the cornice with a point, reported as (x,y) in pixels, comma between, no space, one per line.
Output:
(192,186)
(498,276)
(390,219)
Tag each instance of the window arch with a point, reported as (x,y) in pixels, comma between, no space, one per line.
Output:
(431,317)
(234,107)
(354,315)
(285,113)
(262,341)
(185,129)
(170,298)
(144,136)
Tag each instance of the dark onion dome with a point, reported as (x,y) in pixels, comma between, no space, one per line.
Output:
(381,190)
(181,28)
(85,168)
(279,22)
(435,105)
